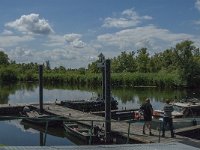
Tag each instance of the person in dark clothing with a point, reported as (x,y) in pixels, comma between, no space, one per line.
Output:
(168,108)
(147,113)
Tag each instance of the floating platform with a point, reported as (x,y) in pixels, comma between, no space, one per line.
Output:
(89,105)
(121,128)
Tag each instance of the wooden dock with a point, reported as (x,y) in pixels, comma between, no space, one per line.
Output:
(119,127)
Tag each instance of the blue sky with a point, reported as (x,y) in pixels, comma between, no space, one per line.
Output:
(72,33)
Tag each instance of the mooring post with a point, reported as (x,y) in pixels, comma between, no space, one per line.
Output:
(41,139)
(107,102)
(101,65)
(41,87)
(103,83)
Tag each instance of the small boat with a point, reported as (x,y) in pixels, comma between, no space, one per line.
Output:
(182,109)
(177,122)
(35,117)
(188,109)
(81,132)
(58,131)
(185,114)
(90,105)
(160,113)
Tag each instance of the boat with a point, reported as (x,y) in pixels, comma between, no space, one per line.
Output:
(58,131)
(34,116)
(177,122)
(186,113)
(82,132)
(90,105)
(182,109)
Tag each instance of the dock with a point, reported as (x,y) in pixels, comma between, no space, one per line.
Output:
(117,127)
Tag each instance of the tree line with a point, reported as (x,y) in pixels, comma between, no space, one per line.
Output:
(181,62)
(177,66)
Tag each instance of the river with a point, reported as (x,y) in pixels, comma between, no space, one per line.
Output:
(13,132)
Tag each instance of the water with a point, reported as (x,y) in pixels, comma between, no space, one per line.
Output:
(13,132)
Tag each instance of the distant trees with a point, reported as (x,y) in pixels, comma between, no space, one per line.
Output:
(184,58)
(4,60)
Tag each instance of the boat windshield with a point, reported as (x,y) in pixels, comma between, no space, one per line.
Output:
(178,108)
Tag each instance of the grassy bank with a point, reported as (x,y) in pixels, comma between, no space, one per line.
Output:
(117,79)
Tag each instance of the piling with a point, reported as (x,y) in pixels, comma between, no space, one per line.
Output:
(107,102)
(41,87)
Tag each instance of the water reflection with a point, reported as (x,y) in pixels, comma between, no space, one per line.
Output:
(14,134)
(126,97)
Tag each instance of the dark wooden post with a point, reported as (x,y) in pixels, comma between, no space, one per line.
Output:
(102,66)
(103,83)
(107,102)
(41,87)
(41,139)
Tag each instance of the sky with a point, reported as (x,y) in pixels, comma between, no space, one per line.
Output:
(72,33)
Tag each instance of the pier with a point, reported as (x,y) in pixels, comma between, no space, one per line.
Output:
(131,131)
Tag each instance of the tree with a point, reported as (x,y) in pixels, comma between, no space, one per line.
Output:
(4,60)
(93,68)
(124,63)
(142,60)
(189,68)
(48,65)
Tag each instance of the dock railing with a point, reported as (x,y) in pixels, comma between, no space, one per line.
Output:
(91,123)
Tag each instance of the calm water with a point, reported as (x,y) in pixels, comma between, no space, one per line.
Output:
(14,132)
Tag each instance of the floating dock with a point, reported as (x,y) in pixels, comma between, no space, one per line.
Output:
(121,128)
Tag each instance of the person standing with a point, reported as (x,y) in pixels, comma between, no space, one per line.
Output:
(167,119)
(147,113)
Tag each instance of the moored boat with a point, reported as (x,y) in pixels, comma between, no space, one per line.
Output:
(34,116)
(82,132)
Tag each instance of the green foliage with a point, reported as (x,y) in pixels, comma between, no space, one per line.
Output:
(7,75)
(4,60)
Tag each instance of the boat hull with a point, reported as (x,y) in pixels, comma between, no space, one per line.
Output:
(80,133)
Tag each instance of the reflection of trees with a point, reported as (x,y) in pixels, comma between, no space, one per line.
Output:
(8,88)
(127,94)
(123,94)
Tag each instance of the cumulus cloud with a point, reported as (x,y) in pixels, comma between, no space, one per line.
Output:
(31,24)
(197,4)
(55,41)
(74,40)
(13,40)
(129,18)
(148,36)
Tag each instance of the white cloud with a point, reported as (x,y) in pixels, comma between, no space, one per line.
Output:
(148,36)
(7,32)
(55,41)
(74,40)
(31,24)
(129,18)
(197,4)
(67,56)
(71,37)
(13,40)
